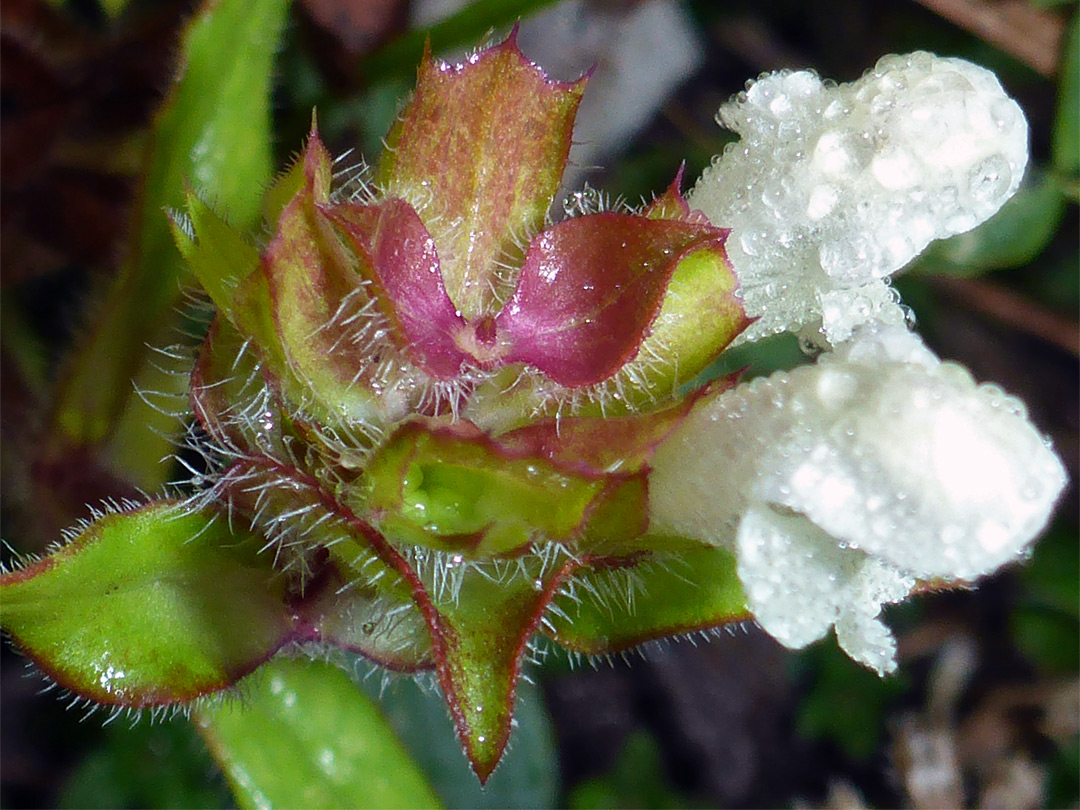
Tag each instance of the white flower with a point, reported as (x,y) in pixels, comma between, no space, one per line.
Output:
(839,485)
(831,189)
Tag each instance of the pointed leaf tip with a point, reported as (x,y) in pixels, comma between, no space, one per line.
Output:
(483,145)
(151,607)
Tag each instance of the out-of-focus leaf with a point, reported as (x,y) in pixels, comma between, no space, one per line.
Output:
(846,703)
(213,131)
(1063,788)
(636,780)
(150,607)
(1011,238)
(464,28)
(654,599)
(152,765)
(527,776)
(307,736)
(1066,132)
(1045,623)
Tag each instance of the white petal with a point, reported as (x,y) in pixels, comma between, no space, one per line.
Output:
(833,188)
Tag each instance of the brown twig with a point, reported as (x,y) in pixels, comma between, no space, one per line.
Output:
(1013,310)
(1022,30)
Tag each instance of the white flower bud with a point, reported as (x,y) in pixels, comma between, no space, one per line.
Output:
(831,189)
(840,484)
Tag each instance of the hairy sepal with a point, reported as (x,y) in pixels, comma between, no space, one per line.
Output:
(453,488)
(314,291)
(479,151)
(607,609)
(151,607)
(397,256)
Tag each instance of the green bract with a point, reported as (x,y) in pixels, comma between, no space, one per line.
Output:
(429,414)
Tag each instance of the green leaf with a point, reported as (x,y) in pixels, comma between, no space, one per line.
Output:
(214,131)
(1014,236)
(605,610)
(306,736)
(837,681)
(480,147)
(1065,143)
(636,780)
(151,765)
(481,622)
(458,490)
(150,607)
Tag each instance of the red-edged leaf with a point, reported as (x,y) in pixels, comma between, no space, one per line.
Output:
(589,290)
(398,255)
(151,607)
(481,625)
(595,445)
(479,151)
(656,596)
(316,298)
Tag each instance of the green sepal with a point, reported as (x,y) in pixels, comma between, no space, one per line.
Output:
(150,607)
(481,624)
(217,253)
(606,609)
(455,489)
(306,736)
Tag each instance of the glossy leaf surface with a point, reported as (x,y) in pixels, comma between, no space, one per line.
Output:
(148,607)
(461,491)
(590,289)
(660,596)
(480,627)
(479,152)
(306,736)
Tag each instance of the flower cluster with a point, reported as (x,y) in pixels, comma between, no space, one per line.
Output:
(439,425)
(848,483)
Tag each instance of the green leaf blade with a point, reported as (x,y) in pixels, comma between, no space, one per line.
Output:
(213,131)
(151,607)
(695,589)
(306,736)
